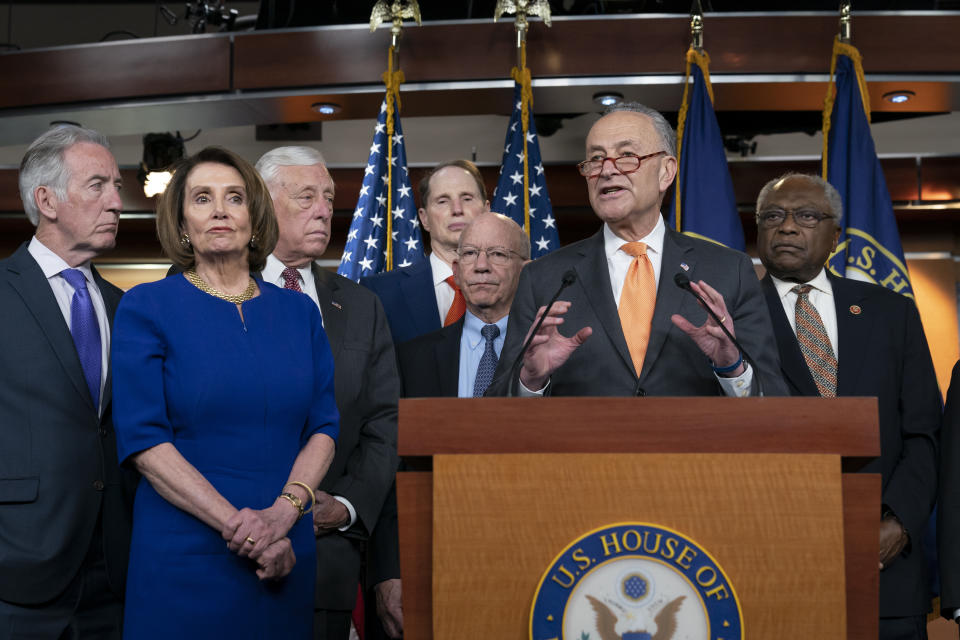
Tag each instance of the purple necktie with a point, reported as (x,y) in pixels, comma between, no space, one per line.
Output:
(86,332)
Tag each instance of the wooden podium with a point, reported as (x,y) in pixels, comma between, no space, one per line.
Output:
(767,485)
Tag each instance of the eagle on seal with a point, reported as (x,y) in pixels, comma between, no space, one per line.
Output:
(666,622)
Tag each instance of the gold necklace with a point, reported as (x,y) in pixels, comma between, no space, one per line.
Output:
(199,283)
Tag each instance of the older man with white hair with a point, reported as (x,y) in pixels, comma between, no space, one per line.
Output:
(353,492)
(64,501)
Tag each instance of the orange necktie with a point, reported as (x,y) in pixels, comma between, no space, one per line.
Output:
(459,305)
(637,302)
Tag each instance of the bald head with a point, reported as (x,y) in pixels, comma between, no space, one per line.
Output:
(493,249)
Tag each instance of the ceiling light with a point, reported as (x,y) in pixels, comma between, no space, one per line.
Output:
(326,108)
(608,98)
(160,152)
(898,97)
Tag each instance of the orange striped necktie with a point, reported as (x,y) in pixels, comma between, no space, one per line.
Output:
(638,299)
(459,306)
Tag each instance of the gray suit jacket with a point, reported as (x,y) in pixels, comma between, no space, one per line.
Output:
(674,365)
(58,456)
(363,468)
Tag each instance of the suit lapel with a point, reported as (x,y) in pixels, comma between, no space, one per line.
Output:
(792,362)
(594,276)
(110,302)
(29,282)
(421,300)
(335,313)
(447,354)
(669,296)
(853,335)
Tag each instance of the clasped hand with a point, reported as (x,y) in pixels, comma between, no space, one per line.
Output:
(260,534)
(329,513)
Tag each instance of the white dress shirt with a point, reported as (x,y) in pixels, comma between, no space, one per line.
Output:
(51,264)
(445,293)
(273,273)
(820,296)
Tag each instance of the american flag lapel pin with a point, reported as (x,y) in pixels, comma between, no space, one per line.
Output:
(336,304)
(685,266)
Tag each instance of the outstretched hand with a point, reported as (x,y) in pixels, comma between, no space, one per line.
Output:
(709,337)
(549,349)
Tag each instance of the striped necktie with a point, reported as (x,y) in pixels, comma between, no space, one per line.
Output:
(815,343)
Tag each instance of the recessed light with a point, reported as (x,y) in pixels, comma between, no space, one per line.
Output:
(898,97)
(326,108)
(608,98)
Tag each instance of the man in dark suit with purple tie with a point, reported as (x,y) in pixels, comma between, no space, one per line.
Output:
(65,504)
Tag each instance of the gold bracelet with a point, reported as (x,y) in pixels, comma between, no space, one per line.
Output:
(313,497)
(295,501)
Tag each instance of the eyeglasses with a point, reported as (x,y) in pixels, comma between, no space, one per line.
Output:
(623,164)
(499,256)
(773,218)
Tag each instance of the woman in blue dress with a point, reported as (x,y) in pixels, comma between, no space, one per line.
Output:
(224,402)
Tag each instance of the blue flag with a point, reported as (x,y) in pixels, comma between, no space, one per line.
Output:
(704,204)
(508,197)
(364,253)
(869,246)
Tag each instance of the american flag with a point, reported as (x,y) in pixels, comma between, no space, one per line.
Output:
(508,197)
(365,251)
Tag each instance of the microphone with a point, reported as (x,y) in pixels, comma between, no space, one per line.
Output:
(683,282)
(569,277)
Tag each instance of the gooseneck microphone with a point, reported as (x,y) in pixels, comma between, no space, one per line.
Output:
(569,277)
(683,282)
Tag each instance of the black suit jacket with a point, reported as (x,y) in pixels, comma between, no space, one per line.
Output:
(430,364)
(674,365)
(429,368)
(58,455)
(883,352)
(948,511)
(366,386)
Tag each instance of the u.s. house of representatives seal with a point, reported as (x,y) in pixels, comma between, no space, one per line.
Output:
(635,581)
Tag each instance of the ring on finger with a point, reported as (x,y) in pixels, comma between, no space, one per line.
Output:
(251,540)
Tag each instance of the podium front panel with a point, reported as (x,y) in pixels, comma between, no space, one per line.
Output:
(773,523)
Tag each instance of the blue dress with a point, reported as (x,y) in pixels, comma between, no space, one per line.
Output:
(238,399)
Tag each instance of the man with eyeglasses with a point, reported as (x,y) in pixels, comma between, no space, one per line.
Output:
(459,360)
(627,329)
(843,337)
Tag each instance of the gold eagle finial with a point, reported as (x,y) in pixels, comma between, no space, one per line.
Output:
(523,8)
(394,11)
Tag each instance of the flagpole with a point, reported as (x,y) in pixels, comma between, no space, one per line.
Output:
(392,78)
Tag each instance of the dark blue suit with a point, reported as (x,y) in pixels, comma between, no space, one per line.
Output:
(882,352)
(409,300)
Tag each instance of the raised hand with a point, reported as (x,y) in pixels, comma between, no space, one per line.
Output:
(549,349)
(709,337)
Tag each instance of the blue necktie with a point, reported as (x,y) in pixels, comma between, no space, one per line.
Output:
(85,330)
(488,362)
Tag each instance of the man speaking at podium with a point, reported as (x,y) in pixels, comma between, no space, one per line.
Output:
(627,328)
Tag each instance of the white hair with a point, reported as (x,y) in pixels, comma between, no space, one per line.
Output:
(43,164)
(668,136)
(269,163)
